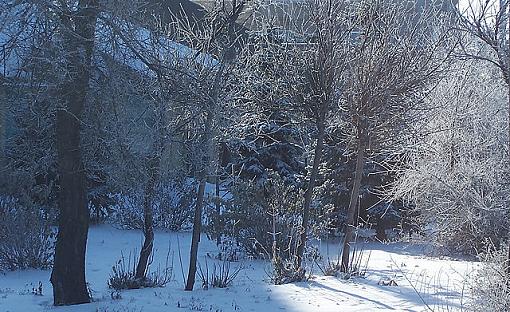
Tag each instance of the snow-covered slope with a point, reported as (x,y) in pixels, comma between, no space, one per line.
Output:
(439,282)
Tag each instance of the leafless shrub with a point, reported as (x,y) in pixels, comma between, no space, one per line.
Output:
(123,274)
(358,263)
(26,239)
(286,271)
(221,276)
(330,268)
(262,214)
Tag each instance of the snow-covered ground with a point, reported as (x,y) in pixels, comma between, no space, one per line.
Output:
(438,282)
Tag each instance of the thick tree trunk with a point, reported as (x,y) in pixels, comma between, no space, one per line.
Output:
(68,275)
(148,227)
(309,192)
(197,225)
(508,243)
(353,204)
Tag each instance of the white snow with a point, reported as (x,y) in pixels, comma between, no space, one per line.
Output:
(440,282)
(157,50)
(17,40)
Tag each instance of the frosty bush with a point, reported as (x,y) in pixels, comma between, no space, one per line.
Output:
(172,208)
(229,249)
(260,215)
(491,283)
(456,170)
(100,201)
(123,275)
(286,271)
(26,240)
(127,210)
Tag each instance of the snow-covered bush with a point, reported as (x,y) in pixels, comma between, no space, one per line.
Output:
(29,168)
(123,275)
(285,271)
(172,207)
(229,249)
(358,263)
(26,239)
(491,283)
(335,185)
(264,219)
(456,167)
(127,211)
(262,214)
(99,200)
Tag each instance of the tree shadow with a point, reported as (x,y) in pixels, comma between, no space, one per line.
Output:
(311,284)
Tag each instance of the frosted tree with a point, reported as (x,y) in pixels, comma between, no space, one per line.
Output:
(69,30)
(454,173)
(489,22)
(300,53)
(397,52)
(324,63)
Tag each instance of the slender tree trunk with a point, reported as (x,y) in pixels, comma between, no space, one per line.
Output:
(3,124)
(68,275)
(309,192)
(203,175)
(197,225)
(148,227)
(353,204)
(218,208)
(197,219)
